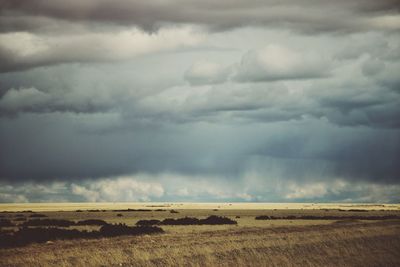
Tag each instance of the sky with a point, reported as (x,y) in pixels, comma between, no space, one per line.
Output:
(205,101)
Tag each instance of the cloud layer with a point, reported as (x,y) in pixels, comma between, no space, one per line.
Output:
(199,101)
(305,15)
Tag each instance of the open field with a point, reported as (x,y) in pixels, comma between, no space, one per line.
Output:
(332,235)
(185,205)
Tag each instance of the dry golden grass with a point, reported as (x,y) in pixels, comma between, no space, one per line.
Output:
(250,243)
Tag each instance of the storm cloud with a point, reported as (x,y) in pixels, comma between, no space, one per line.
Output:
(306,15)
(199,101)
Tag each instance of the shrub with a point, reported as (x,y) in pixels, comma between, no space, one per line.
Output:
(357,210)
(48,222)
(119,215)
(25,236)
(147,222)
(6,223)
(91,222)
(263,217)
(181,221)
(173,211)
(96,210)
(346,221)
(127,210)
(122,229)
(3,232)
(211,220)
(38,215)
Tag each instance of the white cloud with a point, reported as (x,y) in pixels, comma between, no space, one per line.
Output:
(206,72)
(177,187)
(88,194)
(310,191)
(33,192)
(38,50)
(203,187)
(372,66)
(12,198)
(342,190)
(23,99)
(385,22)
(118,189)
(276,62)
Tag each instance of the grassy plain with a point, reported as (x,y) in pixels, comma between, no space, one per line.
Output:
(286,242)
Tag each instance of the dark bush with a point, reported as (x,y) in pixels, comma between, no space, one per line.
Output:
(173,211)
(20,219)
(211,220)
(91,222)
(4,232)
(19,215)
(346,221)
(357,210)
(25,236)
(122,229)
(48,222)
(79,211)
(96,210)
(37,215)
(6,223)
(263,217)
(181,221)
(147,222)
(127,210)
(119,215)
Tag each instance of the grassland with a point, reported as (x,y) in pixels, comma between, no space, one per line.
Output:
(359,241)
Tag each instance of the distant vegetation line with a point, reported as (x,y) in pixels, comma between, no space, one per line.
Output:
(328,217)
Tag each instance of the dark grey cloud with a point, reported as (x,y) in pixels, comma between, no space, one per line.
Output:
(306,15)
(375,107)
(71,147)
